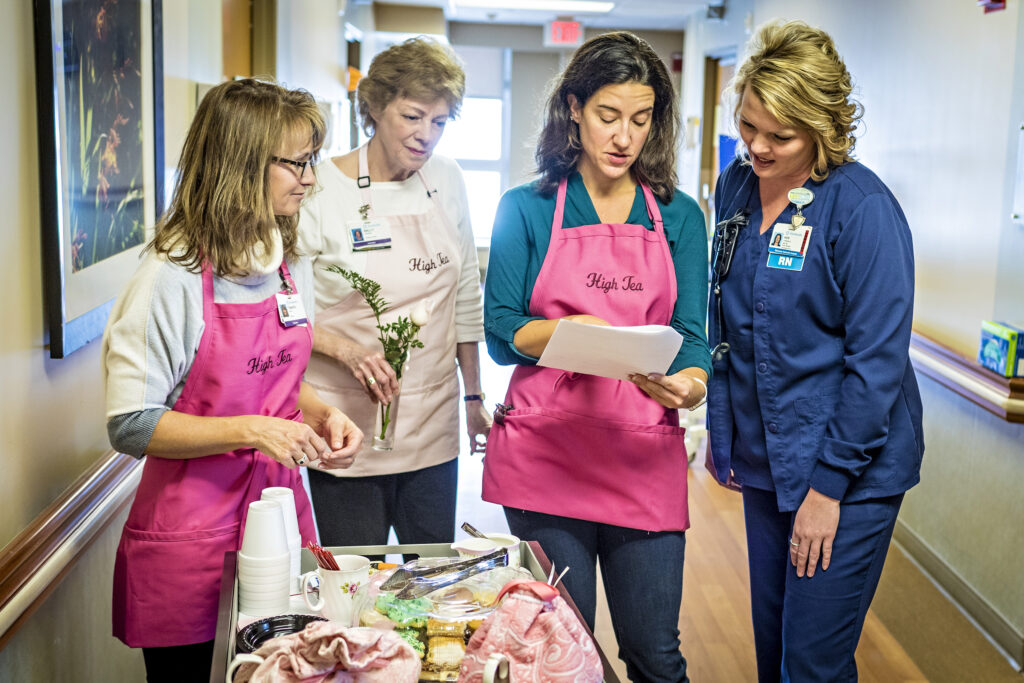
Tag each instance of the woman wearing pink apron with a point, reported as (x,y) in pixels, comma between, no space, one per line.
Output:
(396,213)
(204,356)
(594,468)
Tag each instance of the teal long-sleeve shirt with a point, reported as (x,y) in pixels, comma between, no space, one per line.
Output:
(519,243)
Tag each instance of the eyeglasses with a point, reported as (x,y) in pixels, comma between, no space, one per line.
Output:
(301,165)
(726,234)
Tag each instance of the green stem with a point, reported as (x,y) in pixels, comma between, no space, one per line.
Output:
(385,420)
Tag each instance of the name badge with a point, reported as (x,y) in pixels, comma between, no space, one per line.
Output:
(788,246)
(290,309)
(368,235)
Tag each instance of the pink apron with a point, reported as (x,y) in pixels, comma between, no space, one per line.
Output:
(583,446)
(188,513)
(424,262)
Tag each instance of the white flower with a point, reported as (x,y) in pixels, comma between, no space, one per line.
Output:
(420,315)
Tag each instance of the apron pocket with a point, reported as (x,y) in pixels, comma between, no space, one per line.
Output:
(171,584)
(614,472)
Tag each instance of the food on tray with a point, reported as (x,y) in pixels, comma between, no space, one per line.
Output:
(444,653)
(443,627)
(412,636)
(375,619)
(411,613)
(486,596)
(437,625)
(453,595)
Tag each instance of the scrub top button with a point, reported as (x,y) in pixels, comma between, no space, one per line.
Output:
(762,367)
(759,307)
(773,428)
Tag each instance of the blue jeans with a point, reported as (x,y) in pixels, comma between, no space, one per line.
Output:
(643,581)
(807,629)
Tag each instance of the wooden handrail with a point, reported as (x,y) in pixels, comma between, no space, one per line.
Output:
(36,561)
(963,376)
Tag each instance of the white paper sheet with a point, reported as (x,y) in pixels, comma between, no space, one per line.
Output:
(614,352)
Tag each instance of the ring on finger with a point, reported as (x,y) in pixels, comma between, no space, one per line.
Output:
(793,542)
(301,461)
(371,381)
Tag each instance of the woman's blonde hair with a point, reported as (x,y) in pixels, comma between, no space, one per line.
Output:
(610,59)
(420,69)
(795,71)
(221,207)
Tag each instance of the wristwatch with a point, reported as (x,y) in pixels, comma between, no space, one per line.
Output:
(474,397)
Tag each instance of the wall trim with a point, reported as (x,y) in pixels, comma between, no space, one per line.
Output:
(990,622)
(1000,396)
(37,560)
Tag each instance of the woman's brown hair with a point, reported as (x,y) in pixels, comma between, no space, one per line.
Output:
(610,59)
(221,207)
(419,68)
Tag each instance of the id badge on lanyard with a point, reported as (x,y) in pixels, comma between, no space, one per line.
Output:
(787,247)
(290,310)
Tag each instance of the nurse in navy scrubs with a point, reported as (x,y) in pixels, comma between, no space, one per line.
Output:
(813,407)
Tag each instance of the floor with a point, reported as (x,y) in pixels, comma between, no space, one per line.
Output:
(912,633)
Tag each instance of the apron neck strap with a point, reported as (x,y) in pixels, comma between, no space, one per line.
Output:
(363,181)
(556,222)
(652,209)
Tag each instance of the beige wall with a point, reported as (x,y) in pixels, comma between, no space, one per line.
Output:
(51,411)
(943,89)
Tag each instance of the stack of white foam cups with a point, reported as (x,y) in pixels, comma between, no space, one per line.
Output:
(264,562)
(285,496)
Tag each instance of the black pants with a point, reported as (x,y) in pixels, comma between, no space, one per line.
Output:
(420,505)
(179,664)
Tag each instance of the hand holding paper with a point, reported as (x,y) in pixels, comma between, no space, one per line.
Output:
(614,352)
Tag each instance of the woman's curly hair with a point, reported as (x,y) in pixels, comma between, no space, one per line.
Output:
(795,71)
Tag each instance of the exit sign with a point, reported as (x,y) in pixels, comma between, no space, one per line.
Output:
(563,33)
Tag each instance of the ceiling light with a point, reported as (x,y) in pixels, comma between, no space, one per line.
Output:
(562,6)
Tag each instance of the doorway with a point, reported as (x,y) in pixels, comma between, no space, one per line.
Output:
(718,145)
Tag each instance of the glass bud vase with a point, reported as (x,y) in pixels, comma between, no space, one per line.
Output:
(387,419)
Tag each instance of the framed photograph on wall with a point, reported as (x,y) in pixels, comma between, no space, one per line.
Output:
(99,80)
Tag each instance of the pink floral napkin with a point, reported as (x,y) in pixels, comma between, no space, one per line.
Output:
(326,651)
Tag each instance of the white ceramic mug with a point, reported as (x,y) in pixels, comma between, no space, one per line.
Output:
(495,669)
(240,659)
(337,587)
(474,547)
(510,543)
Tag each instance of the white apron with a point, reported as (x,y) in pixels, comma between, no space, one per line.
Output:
(424,262)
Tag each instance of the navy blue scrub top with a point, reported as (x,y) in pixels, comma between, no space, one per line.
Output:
(749,450)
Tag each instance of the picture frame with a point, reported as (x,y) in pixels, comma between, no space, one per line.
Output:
(99,93)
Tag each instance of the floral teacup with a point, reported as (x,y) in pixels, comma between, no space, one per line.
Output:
(337,587)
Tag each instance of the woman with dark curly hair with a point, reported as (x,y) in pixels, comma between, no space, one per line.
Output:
(595,468)
(814,409)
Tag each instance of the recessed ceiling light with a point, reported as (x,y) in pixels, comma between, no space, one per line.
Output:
(567,6)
